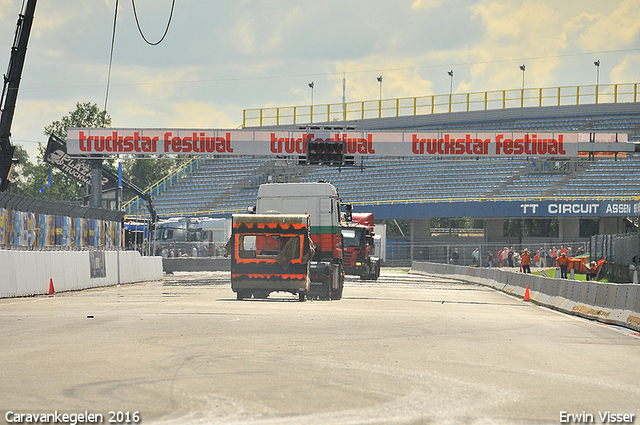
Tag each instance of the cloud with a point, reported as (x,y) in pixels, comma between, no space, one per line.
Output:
(402,77)
(5,9)
(187,114)
(514,31)
(627,70)
(618,29)
(222,57)
(200,115)
(425,4)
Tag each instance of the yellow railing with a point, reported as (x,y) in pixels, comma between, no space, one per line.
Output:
(433,104)
(163,184)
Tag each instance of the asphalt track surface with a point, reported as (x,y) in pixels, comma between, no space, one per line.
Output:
(407,349)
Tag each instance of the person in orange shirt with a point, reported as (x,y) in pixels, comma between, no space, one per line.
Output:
(563,262)
(526,261)
(593,271)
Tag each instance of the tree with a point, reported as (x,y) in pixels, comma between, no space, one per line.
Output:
(143,172)
(518,228)
(21,171)
(30,177)
(85,115)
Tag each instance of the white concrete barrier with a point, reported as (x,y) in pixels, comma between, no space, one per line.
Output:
(611,303)
(30,272)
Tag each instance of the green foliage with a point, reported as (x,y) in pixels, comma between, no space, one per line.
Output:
(589,227)
(28,177)
(85,115)
(31,178)
(143,172)
(457,223)
(518,228)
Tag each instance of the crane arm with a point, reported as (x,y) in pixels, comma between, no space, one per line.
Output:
(10,90)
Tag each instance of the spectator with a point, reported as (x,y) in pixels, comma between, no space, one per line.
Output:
(593,271)
(504,257)
(455,257)
(490,259)
(563,263)
(526,261)
(543,257)
(476,257)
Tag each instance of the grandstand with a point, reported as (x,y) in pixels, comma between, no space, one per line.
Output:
(222,186)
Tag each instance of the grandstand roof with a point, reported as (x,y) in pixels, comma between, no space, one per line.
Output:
(604,117)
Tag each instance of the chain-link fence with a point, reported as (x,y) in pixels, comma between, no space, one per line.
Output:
(619,249)
(401,252)
(34,224)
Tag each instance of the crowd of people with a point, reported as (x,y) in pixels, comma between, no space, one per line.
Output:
(188,251)
(542,258)
(508,257)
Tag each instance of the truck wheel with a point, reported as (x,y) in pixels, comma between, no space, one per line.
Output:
(336,294)
(239,295)
(375,272)
(326,289)
(261,295)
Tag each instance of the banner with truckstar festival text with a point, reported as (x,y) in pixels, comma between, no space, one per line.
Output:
(109,141)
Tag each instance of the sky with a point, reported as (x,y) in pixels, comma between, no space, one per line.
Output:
(221,57)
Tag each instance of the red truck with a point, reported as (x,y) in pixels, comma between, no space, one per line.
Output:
(358,246)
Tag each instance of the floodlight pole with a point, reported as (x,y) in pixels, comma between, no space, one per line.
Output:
(450,89)
(311,86)
(380,99)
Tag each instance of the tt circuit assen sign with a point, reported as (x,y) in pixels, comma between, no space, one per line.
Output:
(504,208)
(109,141)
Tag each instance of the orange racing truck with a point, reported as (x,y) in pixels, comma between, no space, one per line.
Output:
(270,252)
(321,203)
(357,235)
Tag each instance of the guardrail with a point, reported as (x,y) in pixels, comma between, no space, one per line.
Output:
(611,303)
(442,103)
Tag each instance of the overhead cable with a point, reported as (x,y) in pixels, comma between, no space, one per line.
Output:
(166,30)
(113,42)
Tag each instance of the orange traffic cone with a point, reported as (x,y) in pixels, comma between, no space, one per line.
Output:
(52,291)
(526,294)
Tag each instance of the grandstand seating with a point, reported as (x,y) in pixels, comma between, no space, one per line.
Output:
(222,186)
(200,189)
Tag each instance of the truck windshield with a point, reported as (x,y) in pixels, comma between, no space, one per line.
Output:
(194,236)
(268,246)
(351,237)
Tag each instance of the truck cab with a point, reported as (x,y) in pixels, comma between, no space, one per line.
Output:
(359,248)
(320,201)
(269,253)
